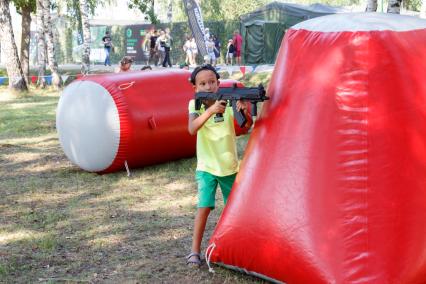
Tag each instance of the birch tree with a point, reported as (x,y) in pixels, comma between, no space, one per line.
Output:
(423,9)
(25,8)
(394,6)
(85,60)
(146,7)
(41,45)
(53,65)
(13,65)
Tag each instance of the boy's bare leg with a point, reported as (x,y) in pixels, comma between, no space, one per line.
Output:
(199,227)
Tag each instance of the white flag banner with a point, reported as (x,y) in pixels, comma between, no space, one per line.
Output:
(64,78)
(230,70)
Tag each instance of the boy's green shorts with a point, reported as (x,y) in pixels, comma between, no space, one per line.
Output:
(207,184)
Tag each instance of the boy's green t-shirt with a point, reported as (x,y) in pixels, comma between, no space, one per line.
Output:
(216,144)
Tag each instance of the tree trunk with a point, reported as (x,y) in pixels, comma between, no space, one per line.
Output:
(41,46)
(85,60)
(25,41)
(371,6)
(53,65)
(394,6)
(423,10)
(13,66)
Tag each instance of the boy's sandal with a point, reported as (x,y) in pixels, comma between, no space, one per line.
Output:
(193,259)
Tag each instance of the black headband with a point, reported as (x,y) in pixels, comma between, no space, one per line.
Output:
(201,68)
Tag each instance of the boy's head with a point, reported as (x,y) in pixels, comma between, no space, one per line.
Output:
(126,59)
(126,63)
(205,78)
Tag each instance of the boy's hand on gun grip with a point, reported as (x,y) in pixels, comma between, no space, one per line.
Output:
(218,107)
(241,105)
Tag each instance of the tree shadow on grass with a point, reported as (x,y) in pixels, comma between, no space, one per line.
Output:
(106,243)
(67,223)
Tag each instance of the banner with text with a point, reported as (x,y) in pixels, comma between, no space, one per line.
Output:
(195,19)
(135,42)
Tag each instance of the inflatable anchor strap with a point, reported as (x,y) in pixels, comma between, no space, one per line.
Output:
(152,122)
(209,255)
(125,86)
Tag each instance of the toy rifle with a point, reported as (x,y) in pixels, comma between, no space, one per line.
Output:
(232,95)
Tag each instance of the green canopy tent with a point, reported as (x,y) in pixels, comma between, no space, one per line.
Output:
(263,29)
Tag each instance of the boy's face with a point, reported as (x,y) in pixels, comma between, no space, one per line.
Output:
(206,81)
(126,66)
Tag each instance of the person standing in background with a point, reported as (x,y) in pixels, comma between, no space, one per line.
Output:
(238,44)
(194,51)
(168,48)
(107,41)
(188,51)
(206,34)
(230,49)
(217,46)
(153,53)
(146,48)
(160,46)
(211,57)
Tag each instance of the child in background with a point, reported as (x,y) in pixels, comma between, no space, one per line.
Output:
(188,51)
(230,49)
(217,160)
(211,51)
(217,45)
(125,64)
(194,52)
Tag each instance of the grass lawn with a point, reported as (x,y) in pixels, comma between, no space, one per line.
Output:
(60,224)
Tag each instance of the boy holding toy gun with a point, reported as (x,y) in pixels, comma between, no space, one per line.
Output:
(217,161)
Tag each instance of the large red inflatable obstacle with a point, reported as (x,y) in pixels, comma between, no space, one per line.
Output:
(332,188)
(138,118)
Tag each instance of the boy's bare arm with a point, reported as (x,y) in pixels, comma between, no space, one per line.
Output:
(195,122)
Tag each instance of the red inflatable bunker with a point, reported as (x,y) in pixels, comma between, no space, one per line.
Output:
(140,118)
(332,188)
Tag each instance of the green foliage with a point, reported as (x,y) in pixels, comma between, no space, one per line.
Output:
(213,10)
(3,270)
(230,10)
(216,10)
(179,14)
(20,4)
(146,7)
(413,5)
(118,38)
(67,50)
(73,9)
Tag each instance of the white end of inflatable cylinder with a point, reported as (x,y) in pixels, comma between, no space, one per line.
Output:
(88,124)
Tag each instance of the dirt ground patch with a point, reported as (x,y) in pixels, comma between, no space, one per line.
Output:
(60,224)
